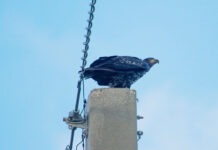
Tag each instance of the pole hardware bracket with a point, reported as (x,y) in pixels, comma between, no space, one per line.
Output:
(139,117)
(75,120)
(139,134)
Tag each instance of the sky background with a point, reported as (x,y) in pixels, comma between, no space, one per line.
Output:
(40,51)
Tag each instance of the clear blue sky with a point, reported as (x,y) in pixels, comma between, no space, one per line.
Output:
(40,51)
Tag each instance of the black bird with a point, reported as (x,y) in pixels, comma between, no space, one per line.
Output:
(118,71)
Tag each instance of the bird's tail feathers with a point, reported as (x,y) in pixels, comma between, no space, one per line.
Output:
(90,72)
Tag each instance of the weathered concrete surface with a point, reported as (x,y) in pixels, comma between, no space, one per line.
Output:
(112,119)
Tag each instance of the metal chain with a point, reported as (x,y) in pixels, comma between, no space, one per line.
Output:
(87,36)
(84,62)
(85,50)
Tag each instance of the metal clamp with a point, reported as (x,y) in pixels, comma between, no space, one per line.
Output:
(138,117)
(75,120)
(139,134)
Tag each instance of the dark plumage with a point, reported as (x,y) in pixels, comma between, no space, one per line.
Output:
(118,71)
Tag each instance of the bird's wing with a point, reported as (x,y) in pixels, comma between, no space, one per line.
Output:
(101,61)
(124,63)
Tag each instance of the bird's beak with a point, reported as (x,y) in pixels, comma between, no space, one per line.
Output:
(154,61)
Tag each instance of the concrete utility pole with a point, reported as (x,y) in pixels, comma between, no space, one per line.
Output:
(112,122)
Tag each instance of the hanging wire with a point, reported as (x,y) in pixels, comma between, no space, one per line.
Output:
(84,135)
(84,99)
(82,140)
(75,113)
(78,144)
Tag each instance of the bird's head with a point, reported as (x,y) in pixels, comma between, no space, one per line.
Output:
(151,61)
